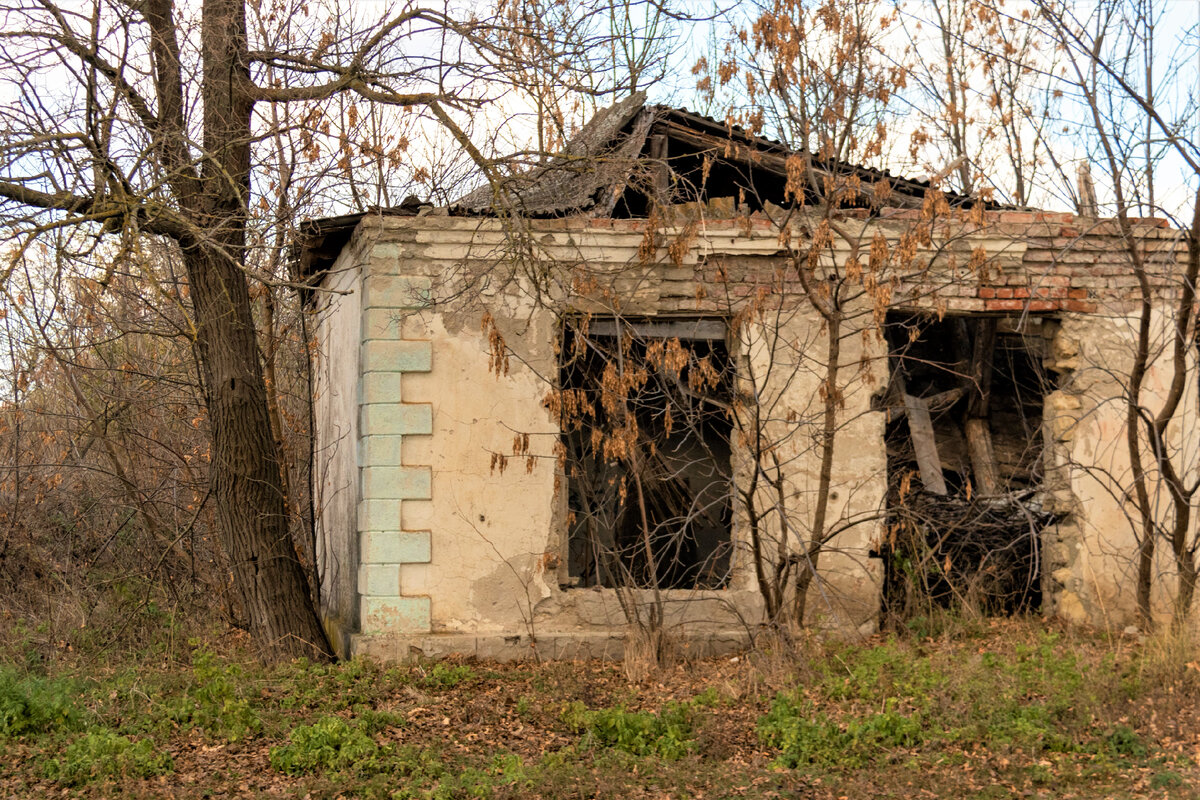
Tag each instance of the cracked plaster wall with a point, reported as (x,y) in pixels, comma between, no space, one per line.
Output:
(1090,560)
(495,546)
(480,568)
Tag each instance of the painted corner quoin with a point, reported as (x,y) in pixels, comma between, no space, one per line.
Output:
(386,481)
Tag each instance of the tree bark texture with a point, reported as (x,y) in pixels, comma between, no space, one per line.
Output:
(246,468)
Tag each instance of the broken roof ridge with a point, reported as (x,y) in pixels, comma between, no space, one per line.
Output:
(596,158)
(595,165)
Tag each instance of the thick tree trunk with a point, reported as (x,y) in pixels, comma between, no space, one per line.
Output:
(1133,420)
(1185,562)
(246,466)
(247,472)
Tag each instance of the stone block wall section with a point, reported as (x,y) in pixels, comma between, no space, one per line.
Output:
(1065,263)
(386,480)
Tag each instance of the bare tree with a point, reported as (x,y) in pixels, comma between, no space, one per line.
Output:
(144,120)
(104,485)
(1137,134)
(982,109)
(815,77)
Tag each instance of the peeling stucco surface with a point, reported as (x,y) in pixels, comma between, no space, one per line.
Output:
(1090,558)
(452,554)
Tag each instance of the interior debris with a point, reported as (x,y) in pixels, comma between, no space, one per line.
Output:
(964,445)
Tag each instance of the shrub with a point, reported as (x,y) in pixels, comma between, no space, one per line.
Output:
(103,753)
(329,744)
(1124,741)
(1166,779)
(31,705)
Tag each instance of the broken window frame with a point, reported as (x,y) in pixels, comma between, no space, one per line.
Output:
(677,532)
(976,537)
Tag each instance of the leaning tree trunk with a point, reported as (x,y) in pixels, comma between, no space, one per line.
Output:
(246,465)
(247,473)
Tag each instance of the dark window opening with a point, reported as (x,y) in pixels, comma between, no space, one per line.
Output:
(964,454)
(645,411)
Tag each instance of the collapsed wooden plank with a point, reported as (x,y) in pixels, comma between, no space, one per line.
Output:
(983,456)
(979,434)
(920,428)
(981,367)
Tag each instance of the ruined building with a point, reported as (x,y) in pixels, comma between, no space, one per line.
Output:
(602,394)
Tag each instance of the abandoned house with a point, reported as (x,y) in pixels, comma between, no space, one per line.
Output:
(602,395)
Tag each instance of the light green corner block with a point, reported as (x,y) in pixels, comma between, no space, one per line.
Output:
(397,291)
(381,451)
(395,547)
(387,252)
(392,258)
(402,355)
(396,483)
(381,387)
(379,515)
(382,323)
(394,419)
(379,580)
(395,614)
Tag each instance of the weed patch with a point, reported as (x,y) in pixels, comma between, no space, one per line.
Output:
(34,705)
(1166,780)
(872,674)
(103,753)
(329,744)
(1020,711)
(667,734)
(807,737)
(216,702)
(1122,741)
(329,688)
(446,676)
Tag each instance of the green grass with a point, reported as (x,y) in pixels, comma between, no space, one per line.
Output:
(1016,706)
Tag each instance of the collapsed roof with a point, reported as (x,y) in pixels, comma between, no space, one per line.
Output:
(628,159)
(631,152)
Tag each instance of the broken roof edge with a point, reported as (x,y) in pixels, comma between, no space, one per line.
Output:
(779,147)
(590,176)
(595,159)
(320,240)
(327,237)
